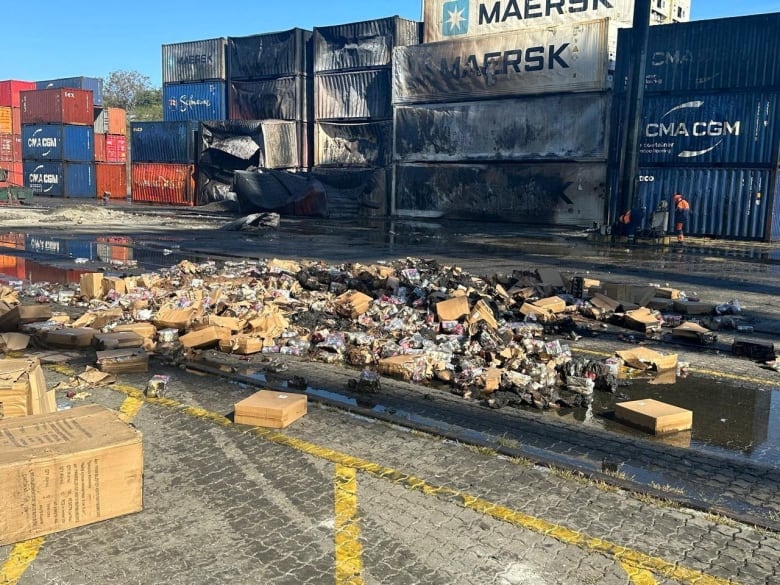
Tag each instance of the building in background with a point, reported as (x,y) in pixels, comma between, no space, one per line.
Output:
(669,11)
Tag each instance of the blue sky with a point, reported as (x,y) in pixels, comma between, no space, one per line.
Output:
(47,39)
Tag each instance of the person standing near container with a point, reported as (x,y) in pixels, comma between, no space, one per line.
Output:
(682,213)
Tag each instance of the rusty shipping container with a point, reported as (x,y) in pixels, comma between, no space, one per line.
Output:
(111,178)
(353,144)
(271,55)
(565,58)
(10,91)
(284,98)
(167,184)
(57,106)
(194,61)
(357,95)
(93,84)
(110,121)
(448,19)
(725,54)
(362,45)
(564,194)
(558,127)
(10,148)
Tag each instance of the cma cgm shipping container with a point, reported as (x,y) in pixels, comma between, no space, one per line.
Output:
(63,142)
(285,98)
(116,148)
(267,56)
(356,95)
(565,194)
(93,84)
(194,61)
(167,184)
(362,45)
(195,101)
(360,144)
(57,106)
(726,54)
(448,19)
(110,121)
(111,178)
(565,58)
(557,127)
(60,179)
(166,142)
(10,148)
(10,92)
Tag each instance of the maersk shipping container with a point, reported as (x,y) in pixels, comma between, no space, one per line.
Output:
(165,142)
(60,179)
(167,184)
(726,54)
(194,61)
(564,194)
(356,95)
(10,91)
(557,127)
(285,98)
(57,106)
(195,101)
(447,19)
(353,144)
(267,56)
(362,45)
(63,142)
(565,58)
(93,84)
(725,202)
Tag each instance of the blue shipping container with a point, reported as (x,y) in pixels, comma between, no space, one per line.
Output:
(60,179)
(94,84)
(195,101)
(58,142)
(164,142)
(44,245)
(81,249)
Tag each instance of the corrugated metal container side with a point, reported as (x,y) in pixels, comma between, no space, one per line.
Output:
(116,148)
(358,95)
(81,249)
(362,144)
(535,193)
(10,148)
(118,248)
(725,202)
(194,61)
(93,84)
(45,245)
(447,19)
(57,106)
(281,54)
(6,120)
(356,192)
(110,121)
(557,127)
(10,92)
(708,55)
(195,101)
(239,144)
(63,142)
(15,172)
(306,143)
(60,179)
(561,59)
(166,142)
(167,184)
(111,178)
(100,148)
(362,45)
(285,98)
(16,114)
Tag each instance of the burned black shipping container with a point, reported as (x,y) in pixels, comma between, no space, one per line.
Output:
(360,144)
(355,192)
(557,127)
(284,98)
(357,95)
(565,194)
(267,56)
(362,45)
(194,61)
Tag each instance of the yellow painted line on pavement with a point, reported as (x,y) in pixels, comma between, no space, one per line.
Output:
(349,551)
(129,409)
(638,576)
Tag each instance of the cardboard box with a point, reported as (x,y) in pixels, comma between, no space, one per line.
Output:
(453,309)
(242,345)
(554,304)
(270,409)
(113,283)
(120,340)
(174,318)
(23,389)
(405,367)
(643,320)
(642,358)
(693,308)
(654,416)
(71,337)
(14,341)
(352,304)
(605,303)
(206,337)
(24,315)
(67,469)
(123,360)
(145,330)
(667,293)
(91,285)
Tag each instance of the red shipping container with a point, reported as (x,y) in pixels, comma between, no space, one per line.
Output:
(117,121)
(15,174)
(7,147)
(16,116)
(116,148)
(12,266)
(111,178)
(100,148)
(9,92)
(57,106)
(117,248)
(166,184)
(6,120)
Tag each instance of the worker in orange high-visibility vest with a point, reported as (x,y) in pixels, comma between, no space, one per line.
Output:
(682,214)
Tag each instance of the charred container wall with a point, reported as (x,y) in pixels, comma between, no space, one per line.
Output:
(283,98)
(269,56)
(357,144)
(194,61)
(356,95)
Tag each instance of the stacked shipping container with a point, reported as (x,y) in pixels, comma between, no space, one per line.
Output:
(11,130)
(110,130)
(194,75)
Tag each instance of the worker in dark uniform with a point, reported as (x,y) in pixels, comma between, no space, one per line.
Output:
(682,215)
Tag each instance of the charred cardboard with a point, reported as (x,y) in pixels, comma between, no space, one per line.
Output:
(453,309)
(694,308)
(352,304)
(270,409)
(91,285)
(23,389)
(654,416)
(482,312)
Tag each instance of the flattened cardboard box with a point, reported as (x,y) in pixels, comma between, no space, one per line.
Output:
(23,389)
(270,409)
(67,469)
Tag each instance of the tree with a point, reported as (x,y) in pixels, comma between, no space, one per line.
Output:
(123,89)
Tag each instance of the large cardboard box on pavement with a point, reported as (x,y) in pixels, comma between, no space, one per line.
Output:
(271,409)
(67,469)
(23,389)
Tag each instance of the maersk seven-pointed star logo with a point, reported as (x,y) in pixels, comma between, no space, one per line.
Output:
(455,20)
